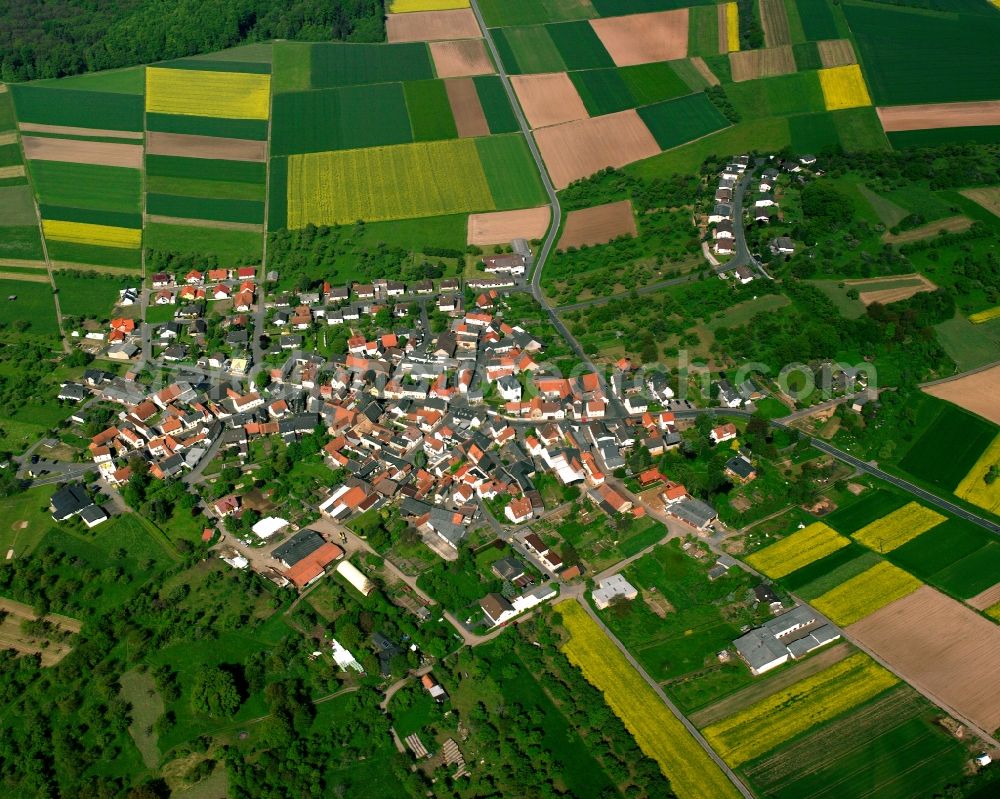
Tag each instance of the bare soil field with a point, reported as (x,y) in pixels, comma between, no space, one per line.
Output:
(978,392)
(775,23)
(598,225)
(10,137)
(426,26)
(579,149)
(751,64)
(501,227)
(12,637)
(16,171)
(940,115)
(942,648)
(985,599)
(900,287)
(953,224)
(466,108)
(836,53)
(549,99)
(189,146)
(460,59)
(989,198)
(723,24)
(82,152)
(63,130)
(699,63)
(247,227)
(644,38)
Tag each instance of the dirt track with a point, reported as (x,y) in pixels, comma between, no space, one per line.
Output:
(211,147)
(598,225)
(426,26)
(461,59)
(940,115)
(549,99)
(978,392)
(644,38)
(82,152)
(501,227)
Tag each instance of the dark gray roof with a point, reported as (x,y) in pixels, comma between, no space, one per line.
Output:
(303,543)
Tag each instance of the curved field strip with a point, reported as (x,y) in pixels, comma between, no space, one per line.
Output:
(428,26)
(656,730)
(974,487)
(97,235)
(797,550)
(844,87)
(800,707)
(378,183)
(898,527)
(985,316)
(232,95)
(82,152)
(408,6)
(869,591)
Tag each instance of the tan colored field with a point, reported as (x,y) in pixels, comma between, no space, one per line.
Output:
(501,227)
(940,115)
(912,284)
(205,147)
(579,149)
(953,224)
(751,64)
(39,278)
(82,152)
(16,171)
(723,23)
(22,263)
(985,599)
(548,99)
(461,59)
(979,393)
(598,225)
(989,198)
(9,137)
(775,23)
(941,648)
(836,53)
(699,63)
(111,270)
(11,636)
(63,130)
(247,227)
(644,38)
(465,107)
(427,26)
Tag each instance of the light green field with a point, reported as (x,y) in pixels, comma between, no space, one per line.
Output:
(119,81)
(968,345)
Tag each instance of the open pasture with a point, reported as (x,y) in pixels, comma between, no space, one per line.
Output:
(339,64)
(21,242)
(73,255)
(898,527)
(942,647)
(598,225)
(797,550)
(577,150)
(977,393)
(427,26)
(683,119)
(753,64)
(34,303)
(461,59)
(82,152)
(233,95)
(866,593)
(644,38)
(949,447)
(501,227)
(548,99)
(231,247)
(82,294)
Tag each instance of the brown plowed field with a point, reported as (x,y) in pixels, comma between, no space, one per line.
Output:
(836,53)
(62,130)
(548,99)
(722,20)
(205,147)
(941,648)
(775,23)
(644,38)
(985,599)
(752,64)
(501,227)
(579,149)
(598,225)
(699,63)
(461,59)
(82,152)
(989,198)
(427,26)
(466,108)
(953,224)
(979,393)
(940,115)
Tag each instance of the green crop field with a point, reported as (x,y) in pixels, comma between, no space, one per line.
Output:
(277,195)
(93,255)
(985,134)
(101,188)
(496,106)
(812,133)
(336,64)
(505,13)
(91,217)
(968,345)
(7,121)
(194,187)
(231,247)
(205,169)
(528,50)
(651,83)
(798,93)
(253,129)
(873,505)
(859,129)
(10,154)
(703,31)
(344,118)
(614,8)
(510,172)
(83,294)
(674,122)
(579,46)
(910,56)
(291,67)
(245,211)
(972,574)
(131,80)
(430,111)
(76,108)
(21,241)
(33,304)
(829,572)
(603,91)
(17,207)
(940,547)
(949,447)
(817,20)
(806,56)
(219,64)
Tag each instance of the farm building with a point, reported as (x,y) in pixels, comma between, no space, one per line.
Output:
(610,589)
(787,637)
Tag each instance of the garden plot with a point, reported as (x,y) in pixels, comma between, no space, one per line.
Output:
(598,225)
(548,99)
(426,26)
(644,38)
(940,115)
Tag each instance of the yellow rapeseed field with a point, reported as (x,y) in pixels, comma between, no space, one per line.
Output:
(989,314)
(974,488)
(692,773)
(733,26)
(782,716)
(403,181)
(865,593)
(844,87)
(898,527)
(404,6)
(797,550)
(202,93)
(99,235)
